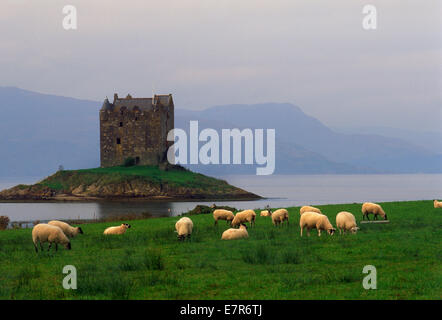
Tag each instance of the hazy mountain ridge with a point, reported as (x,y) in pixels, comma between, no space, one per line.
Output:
(431,140)
(41,132)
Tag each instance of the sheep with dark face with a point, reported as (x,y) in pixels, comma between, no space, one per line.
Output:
(266,213)
(314,220)
(67,229)
(243,217)
(43,232)
(346,221)
(372,208)
(117,230)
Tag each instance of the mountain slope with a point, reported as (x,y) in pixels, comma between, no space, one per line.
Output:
(39,132)
(296,129)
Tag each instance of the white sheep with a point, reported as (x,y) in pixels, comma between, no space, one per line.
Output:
(184,228)
(437,204)
(43,232)
(221,214)
(244,216)
(309,209)
(67,229)
(346,221)
(318,221)
(233,233)
(279,216)
(266,213)
(117,230)
(373,208)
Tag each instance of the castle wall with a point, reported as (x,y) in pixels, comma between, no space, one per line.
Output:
(141,134)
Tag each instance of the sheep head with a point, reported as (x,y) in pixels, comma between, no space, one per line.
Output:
(354,229)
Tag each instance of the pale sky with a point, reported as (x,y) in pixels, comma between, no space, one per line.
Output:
(314,54)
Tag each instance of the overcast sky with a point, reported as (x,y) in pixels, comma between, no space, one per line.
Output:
(314,54)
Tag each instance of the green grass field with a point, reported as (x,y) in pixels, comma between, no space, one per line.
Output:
(274,263)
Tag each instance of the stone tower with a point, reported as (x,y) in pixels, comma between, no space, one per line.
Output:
(137,128)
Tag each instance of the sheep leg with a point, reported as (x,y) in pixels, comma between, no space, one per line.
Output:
(56,247)
(50,245)
(301,231)
(36,248)
(41,246)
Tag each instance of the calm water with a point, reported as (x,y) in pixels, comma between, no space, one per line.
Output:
(281,191)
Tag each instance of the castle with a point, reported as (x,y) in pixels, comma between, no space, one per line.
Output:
(135,128)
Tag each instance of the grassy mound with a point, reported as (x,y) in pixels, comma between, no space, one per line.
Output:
(129,182)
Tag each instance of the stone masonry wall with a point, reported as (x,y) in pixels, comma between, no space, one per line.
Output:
(141,135)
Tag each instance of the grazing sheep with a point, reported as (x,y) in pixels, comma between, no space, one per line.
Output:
(67,229)
(43,232)
(266,213)
(369,207)
(244,216)
(233,233)
(184,228)
(279,216)
(346,221)
(221,214)
(117,230)
(309,209)
(314,220)
(437,204)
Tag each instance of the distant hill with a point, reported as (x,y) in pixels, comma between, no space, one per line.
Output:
(431,140)
(327,150)
(39,132)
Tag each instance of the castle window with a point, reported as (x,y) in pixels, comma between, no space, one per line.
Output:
(121,124)
(118,141)
(137,160)
(136,118)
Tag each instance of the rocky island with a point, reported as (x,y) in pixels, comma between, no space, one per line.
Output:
(127,183)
